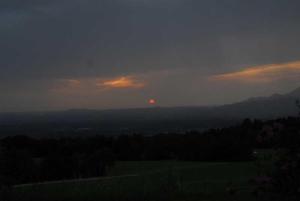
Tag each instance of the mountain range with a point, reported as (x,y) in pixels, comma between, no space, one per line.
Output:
(149,120)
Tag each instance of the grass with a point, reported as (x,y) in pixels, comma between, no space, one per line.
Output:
(232,169)
(153,180)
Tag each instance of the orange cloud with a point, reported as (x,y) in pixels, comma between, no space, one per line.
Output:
(93,85)
(121,82)
(262,73)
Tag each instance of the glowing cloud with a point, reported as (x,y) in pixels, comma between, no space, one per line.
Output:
(121,82)
(263,73)
(93,85)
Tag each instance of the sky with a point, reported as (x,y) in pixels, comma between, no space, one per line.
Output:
(99,54)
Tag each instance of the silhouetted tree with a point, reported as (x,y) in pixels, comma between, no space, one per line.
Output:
(298,105)
(17,165)
(97,163)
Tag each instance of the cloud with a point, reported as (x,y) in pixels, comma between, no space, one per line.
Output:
(64,38)
(93,85)
(24,5)
(78,50)
(121,82)
(262,73)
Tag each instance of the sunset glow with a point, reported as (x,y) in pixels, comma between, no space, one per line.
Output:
(111,54)
(121,82)
(263,73)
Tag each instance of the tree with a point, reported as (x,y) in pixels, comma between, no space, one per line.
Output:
(97,163)
(298,105)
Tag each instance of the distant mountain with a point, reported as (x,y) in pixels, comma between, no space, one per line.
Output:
(148,120)
(295,93)
(277,105)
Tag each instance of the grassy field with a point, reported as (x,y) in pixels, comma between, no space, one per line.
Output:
(153,180)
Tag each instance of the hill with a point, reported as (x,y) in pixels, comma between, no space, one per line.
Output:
(148,120)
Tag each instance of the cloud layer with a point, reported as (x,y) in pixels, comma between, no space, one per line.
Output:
(91,53)
(263,73)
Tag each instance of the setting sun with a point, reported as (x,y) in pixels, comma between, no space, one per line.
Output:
(152,101)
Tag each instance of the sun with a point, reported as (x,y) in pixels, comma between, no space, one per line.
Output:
(152,101)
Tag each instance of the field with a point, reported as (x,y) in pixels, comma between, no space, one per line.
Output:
(153,180)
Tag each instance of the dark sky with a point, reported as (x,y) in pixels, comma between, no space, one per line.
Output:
(61,54)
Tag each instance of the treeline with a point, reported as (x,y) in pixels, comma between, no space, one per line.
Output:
(24,159)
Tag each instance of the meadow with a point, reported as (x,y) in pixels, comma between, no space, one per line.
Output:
(153,180)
